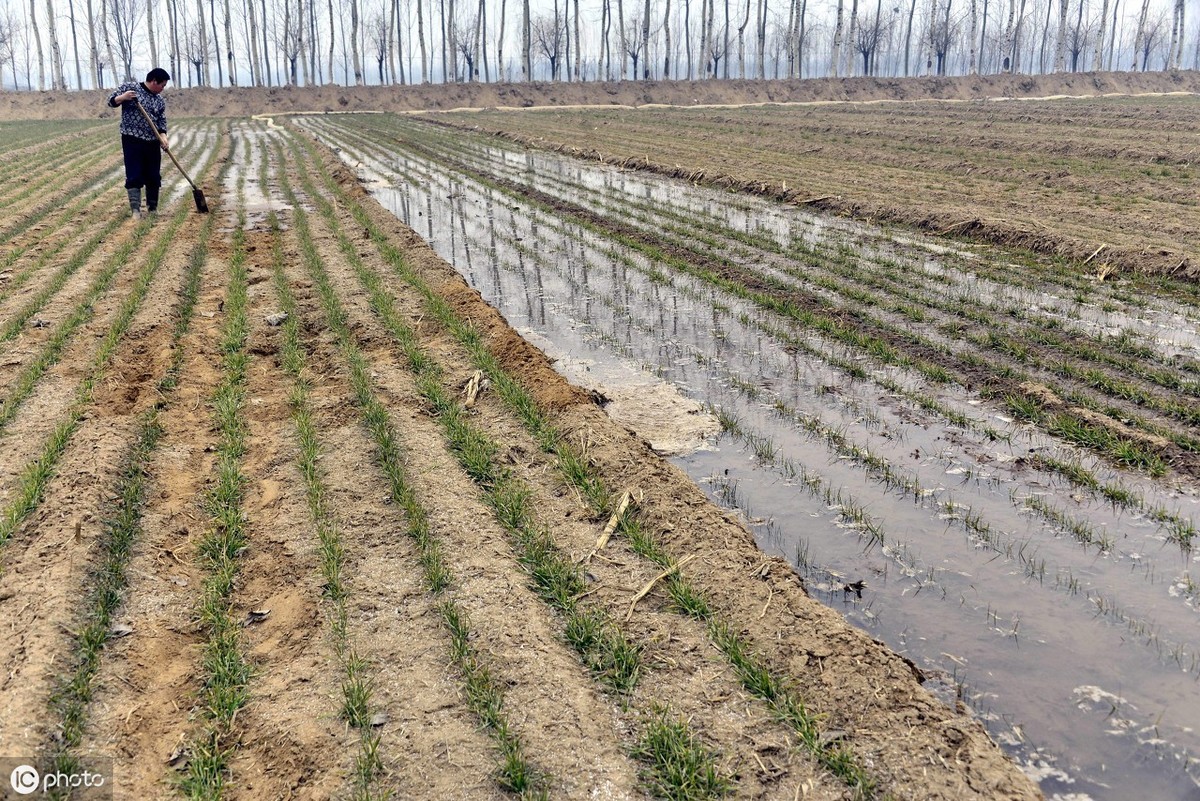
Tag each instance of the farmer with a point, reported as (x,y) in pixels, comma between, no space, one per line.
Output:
(140,142)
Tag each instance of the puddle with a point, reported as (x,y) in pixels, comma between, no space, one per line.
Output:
(1009,586)
(652,408)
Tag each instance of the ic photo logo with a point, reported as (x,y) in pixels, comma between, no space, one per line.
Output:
(90,782)
(25,780)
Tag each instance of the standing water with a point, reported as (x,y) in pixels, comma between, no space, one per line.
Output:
(924,513)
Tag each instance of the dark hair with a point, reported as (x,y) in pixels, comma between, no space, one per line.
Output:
(158,75)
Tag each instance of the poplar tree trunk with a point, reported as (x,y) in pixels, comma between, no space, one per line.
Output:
(112,58)
(357,61)
(1060,45)
(579,46)
(645,42)
(1006,41)
(725,42)
(1016,45)
(150,33)
(56,66)
(173,24)
(252,44)
(202,75)
(421,39)
(301,21)
(93,50)
(973,69)
(75,45)
(908,33)
(983,36)
(849,51)
(37,38)
(212,13)
(526,63)
(1140,41)
(835,61)
(500,43)
(1098,53)
(620,38)
(230,62)
(762,39)
(666,74)
(267,46)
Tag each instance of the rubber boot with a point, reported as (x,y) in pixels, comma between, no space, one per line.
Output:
(135,201)
(152,199)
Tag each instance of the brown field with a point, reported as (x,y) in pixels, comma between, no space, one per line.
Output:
(357,551)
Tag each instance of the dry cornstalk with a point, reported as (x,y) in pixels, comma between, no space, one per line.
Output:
(472,390)
(1095,253)
(650,584)
(613,521)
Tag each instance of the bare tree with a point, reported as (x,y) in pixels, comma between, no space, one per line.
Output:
(1140,40)
(175,55)
(250,30)
(377,33)
(202,78)
(56,60)
(741,41)
(849,51)
(870,35)
(578,73)
(1060,41)
(290,41)
(912,12)
(302,55)
(1015,56)
(942,35)
(1006,40)
(835,60)
(548,33)
(645,39)
(1175,51)
(1098,53)
(972,40)
(687,39)
(631,43)
(37,38)
(526,42)
(762,39)
(1078,38)
(216,42)
(355,57)
(125,15)
(8,46)
(75,45)
(465,43)
(421,41)
(195,43)
(93,48)
(500,43)
(666,73)
(1155,32)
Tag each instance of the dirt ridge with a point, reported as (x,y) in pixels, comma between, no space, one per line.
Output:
(247,101)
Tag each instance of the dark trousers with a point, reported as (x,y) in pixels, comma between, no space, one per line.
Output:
(143,162)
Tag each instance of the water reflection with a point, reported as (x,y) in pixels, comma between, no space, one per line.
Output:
(837,470)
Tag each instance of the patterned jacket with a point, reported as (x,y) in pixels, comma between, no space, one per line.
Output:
(132,121)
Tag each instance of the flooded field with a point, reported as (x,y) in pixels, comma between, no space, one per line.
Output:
(986,460)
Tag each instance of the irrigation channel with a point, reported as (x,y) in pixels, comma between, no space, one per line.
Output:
(834,383)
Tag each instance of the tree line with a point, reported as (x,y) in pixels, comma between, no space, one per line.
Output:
(81,44)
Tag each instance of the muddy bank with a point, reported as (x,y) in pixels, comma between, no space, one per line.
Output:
(239,102)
